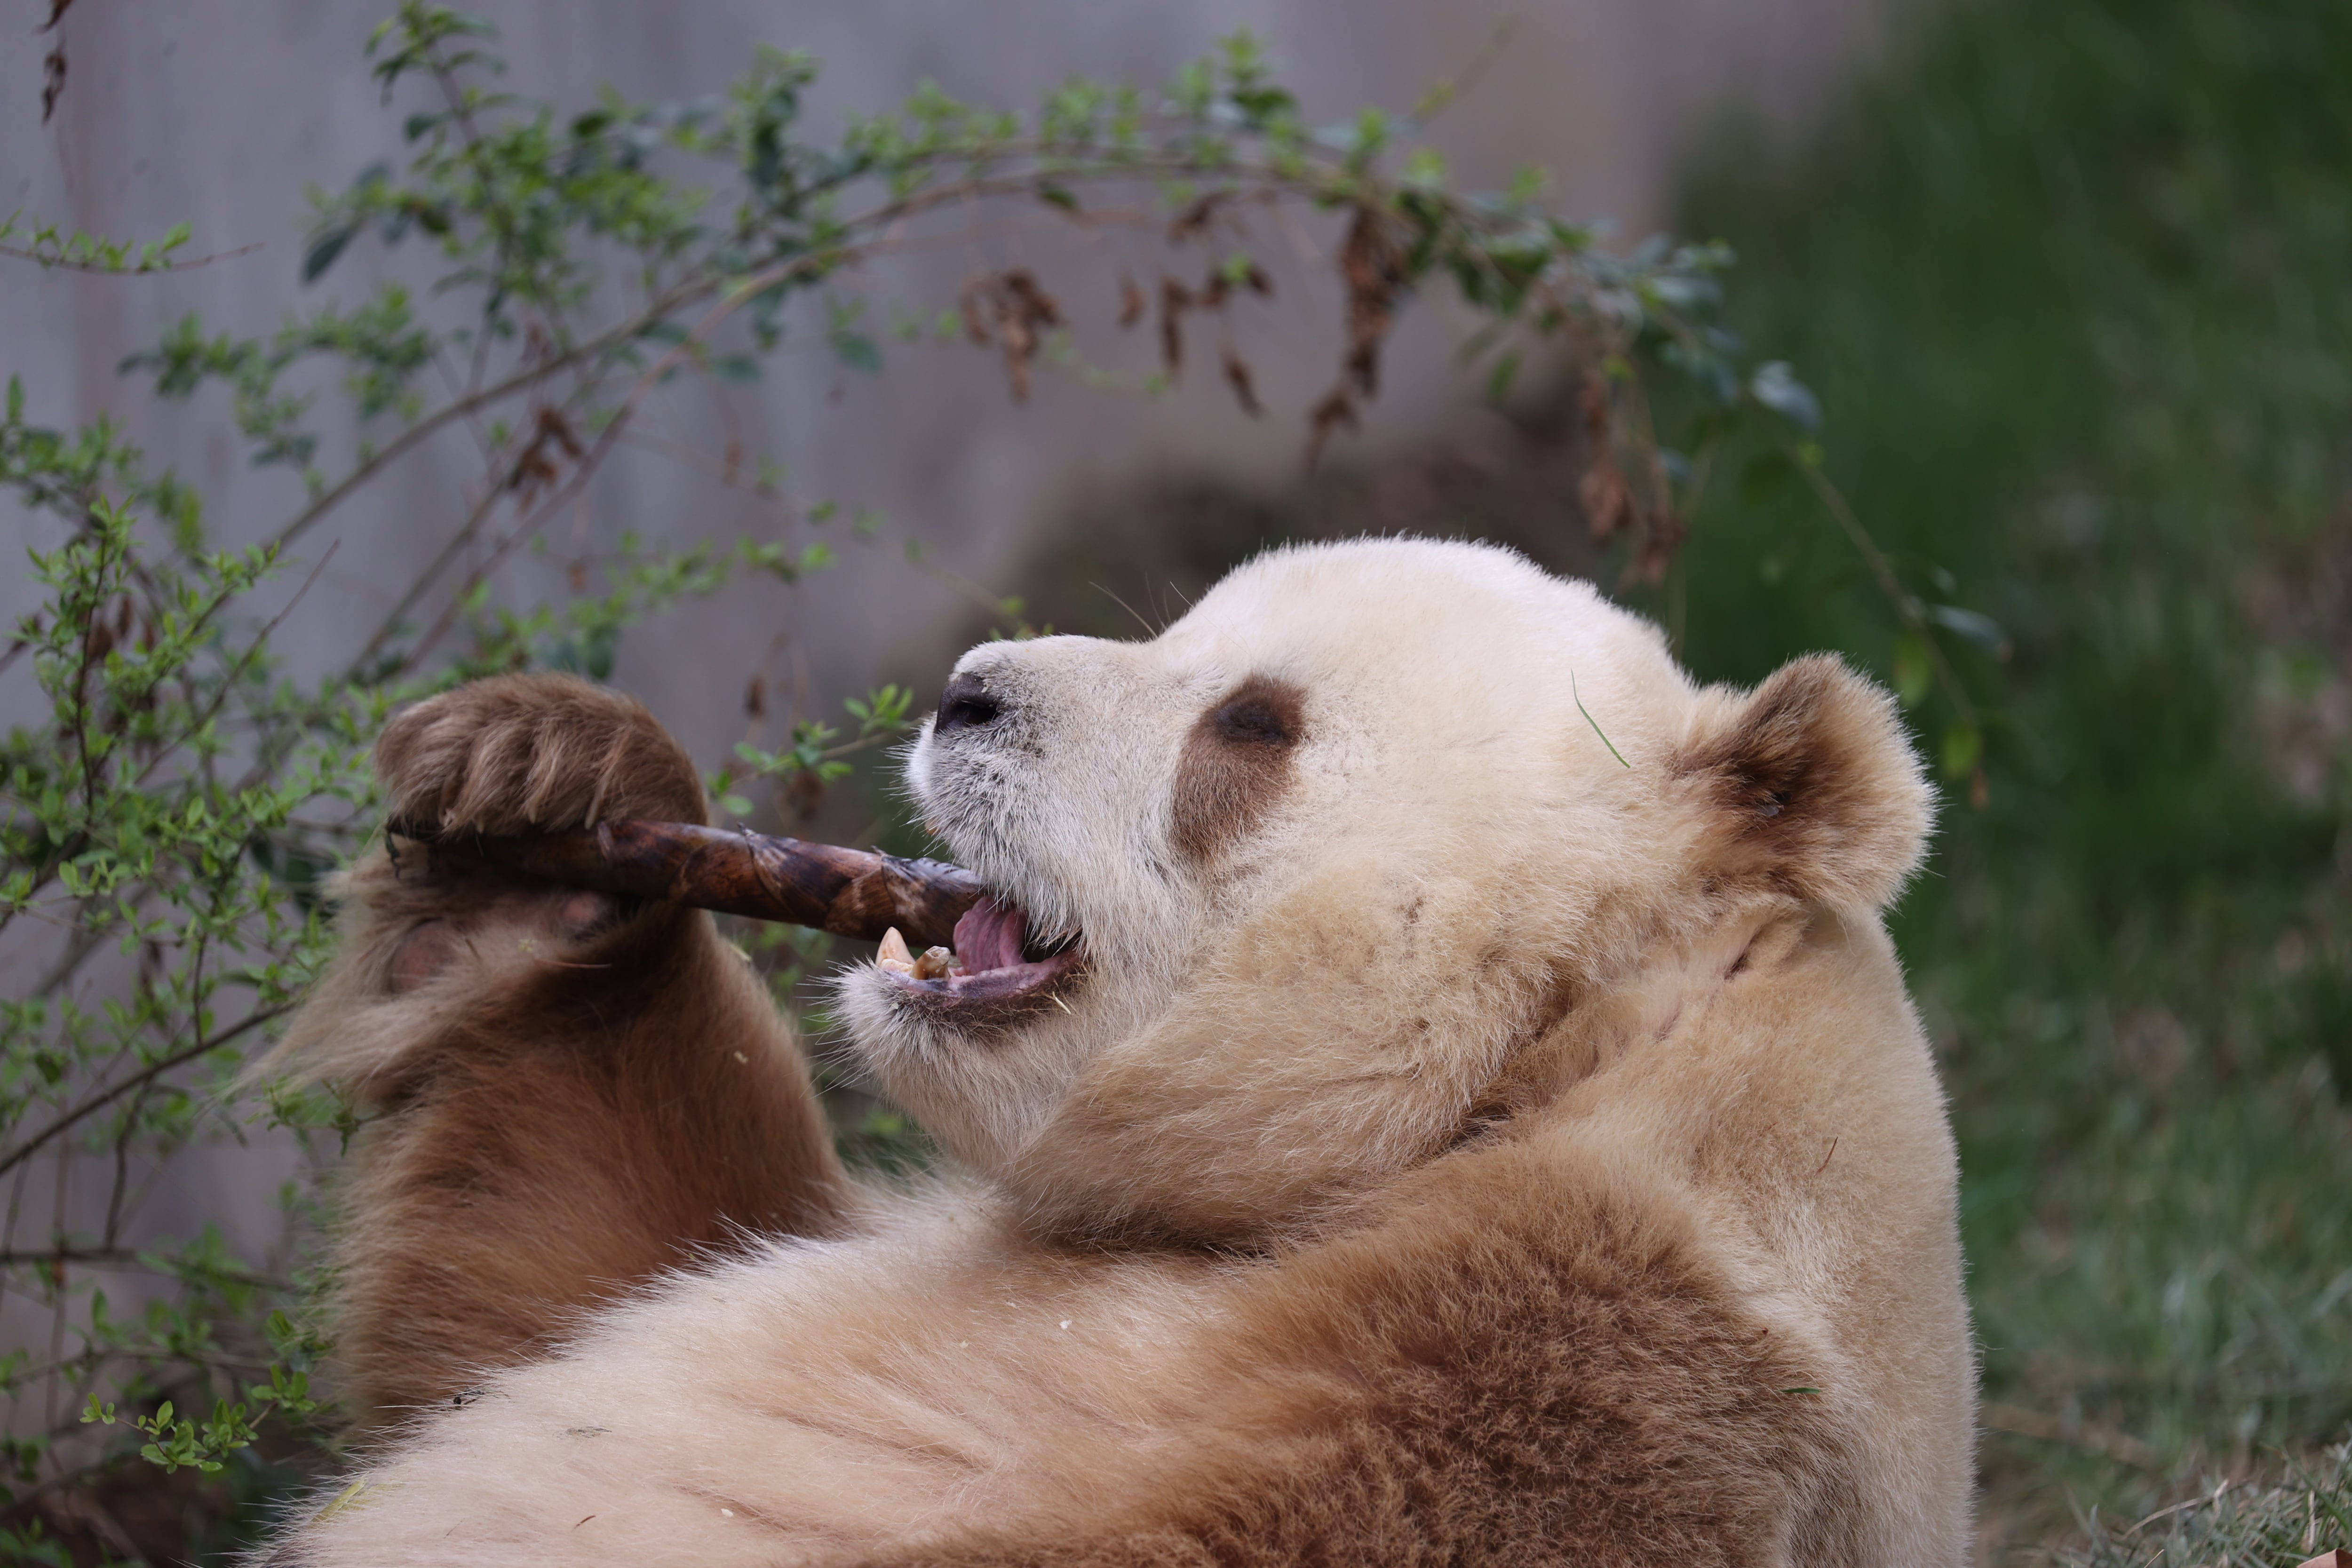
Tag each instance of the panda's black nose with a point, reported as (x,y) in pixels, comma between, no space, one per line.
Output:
(965,705)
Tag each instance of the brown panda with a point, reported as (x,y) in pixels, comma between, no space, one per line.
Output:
(1430,1085)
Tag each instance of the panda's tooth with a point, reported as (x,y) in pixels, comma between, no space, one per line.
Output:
(935,965)
(894,953)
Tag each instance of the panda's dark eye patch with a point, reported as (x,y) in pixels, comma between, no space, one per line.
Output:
(1236,764)
(1254,719)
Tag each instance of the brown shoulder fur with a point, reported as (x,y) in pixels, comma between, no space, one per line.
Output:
(1514,1364)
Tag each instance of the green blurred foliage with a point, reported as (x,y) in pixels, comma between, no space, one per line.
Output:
(2072,282)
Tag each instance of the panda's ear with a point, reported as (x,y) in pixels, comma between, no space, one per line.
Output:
(1809,783)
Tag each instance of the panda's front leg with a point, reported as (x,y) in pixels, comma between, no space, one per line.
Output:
(567,1092)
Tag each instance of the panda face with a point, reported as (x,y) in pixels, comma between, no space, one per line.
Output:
(1282,893)
(1320,790)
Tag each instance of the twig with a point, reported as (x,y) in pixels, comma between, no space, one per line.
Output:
(61,263)
(181,1057)
(390,627)
(739,287)
(1834,501)
(1440,97)
(127,1257)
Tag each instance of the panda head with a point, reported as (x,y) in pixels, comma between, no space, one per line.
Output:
(1279,894)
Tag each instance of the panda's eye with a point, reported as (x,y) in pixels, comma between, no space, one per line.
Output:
(1236,764)
(1252,720)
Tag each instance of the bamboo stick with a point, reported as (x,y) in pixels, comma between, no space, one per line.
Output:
(850,892)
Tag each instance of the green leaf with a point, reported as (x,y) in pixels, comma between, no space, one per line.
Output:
(857,351)
(1963,750)
(1914,668)
(324,247)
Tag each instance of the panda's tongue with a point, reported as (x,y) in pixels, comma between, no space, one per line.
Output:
(986,964)
(989,936)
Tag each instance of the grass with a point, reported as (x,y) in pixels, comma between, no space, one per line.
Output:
(2299,1517)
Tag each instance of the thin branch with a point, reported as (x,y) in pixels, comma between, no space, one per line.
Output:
(409,439)
(390,627)
(114,1199)
(737,295)
(178,1058)
(1834,501)
(695,290)
(59,262)
(84,940)
(129,1258)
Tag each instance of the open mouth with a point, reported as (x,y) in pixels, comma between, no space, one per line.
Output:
(990,963)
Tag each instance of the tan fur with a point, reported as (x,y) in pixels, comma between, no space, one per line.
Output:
(1461,1146)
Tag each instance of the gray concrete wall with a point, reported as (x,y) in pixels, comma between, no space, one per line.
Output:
(220,112)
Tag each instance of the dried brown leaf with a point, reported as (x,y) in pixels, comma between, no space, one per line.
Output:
(1174,301)
(1606,497)
(534,468)
(1661,540)
(1009,308)
(554,426)
(800,798)
(1017,290)
(53,81)
(1238,377)
(1336,412)
(969,304)
(1372,265)
(1593,402)
(1196,218)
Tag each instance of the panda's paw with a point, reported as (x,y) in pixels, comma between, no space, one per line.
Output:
(531,753)
(547,924)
